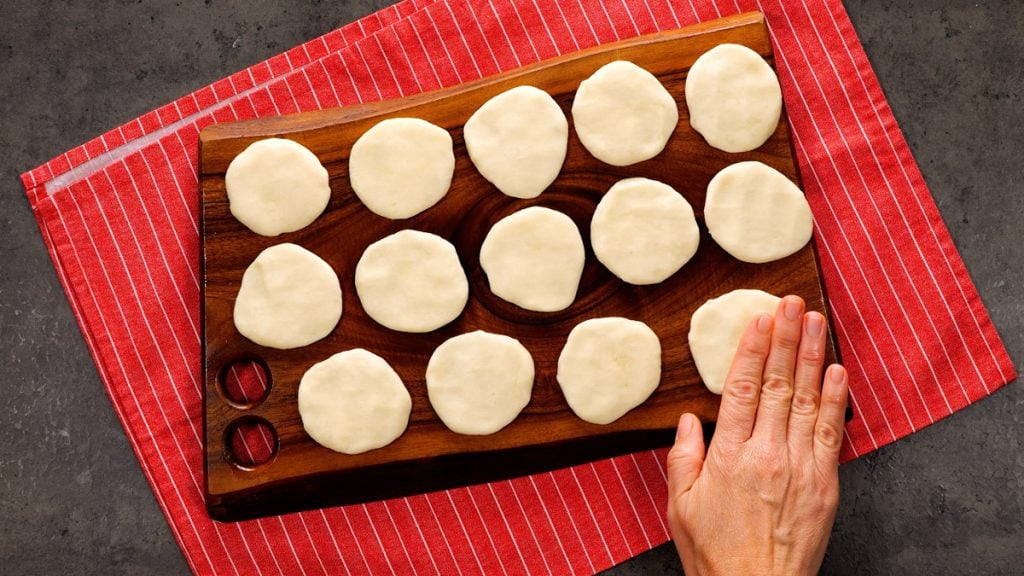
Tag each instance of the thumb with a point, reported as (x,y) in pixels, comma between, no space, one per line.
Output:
(686,458)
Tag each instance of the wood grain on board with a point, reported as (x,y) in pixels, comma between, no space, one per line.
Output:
(301,474)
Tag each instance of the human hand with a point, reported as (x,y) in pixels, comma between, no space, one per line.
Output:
(764,499)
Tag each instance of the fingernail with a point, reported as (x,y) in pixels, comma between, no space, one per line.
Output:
(815,325)
(764,323)
(793,308)
(837,374)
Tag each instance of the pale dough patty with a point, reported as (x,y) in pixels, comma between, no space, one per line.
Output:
(534,258)
(643,231)
(401,166)
(623,114)
(353,402)
(757,214)
(517,140)
(734,98)
(289,297)
(479,382)
(411,281)
(716,328)
(608,367)
(276,186)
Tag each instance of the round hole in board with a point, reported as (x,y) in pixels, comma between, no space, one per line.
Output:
(250,442)
(245,382)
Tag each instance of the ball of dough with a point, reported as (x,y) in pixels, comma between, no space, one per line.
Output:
(643,231)
(479,382)
(623,114)
(534,259)
(276,186)
(289,297)
(757,214)
(401,167)
(517,140)
(353,402)
(411,281)
(734,98)
(716,328)
(608,367)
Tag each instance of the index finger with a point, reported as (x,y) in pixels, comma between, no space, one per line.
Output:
(743,384)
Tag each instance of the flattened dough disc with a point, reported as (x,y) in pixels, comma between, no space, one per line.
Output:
(289,298)
(757,214)
(411,281)
(716,328)
(479,382)
(276,186)
(534,259)
(608,367)
(353,402)
(623,114)
(734,98)
(517,140)
(401,166)
(643,231)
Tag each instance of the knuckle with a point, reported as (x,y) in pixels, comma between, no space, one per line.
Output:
(828,435)
(787,339)
(805,402)
(750,348)
(812,356)
(743,388)
(778,384)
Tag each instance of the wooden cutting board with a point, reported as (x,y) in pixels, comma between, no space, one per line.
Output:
(301,474)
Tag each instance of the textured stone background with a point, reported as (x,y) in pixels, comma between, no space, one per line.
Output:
(73,500)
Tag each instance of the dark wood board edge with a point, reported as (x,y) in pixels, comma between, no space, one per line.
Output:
(440,473)
(306,121)
(202,340)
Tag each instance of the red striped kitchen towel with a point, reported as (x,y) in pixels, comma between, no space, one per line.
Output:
(119,216)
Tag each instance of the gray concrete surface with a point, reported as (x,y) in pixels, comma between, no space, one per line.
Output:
(73,500)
